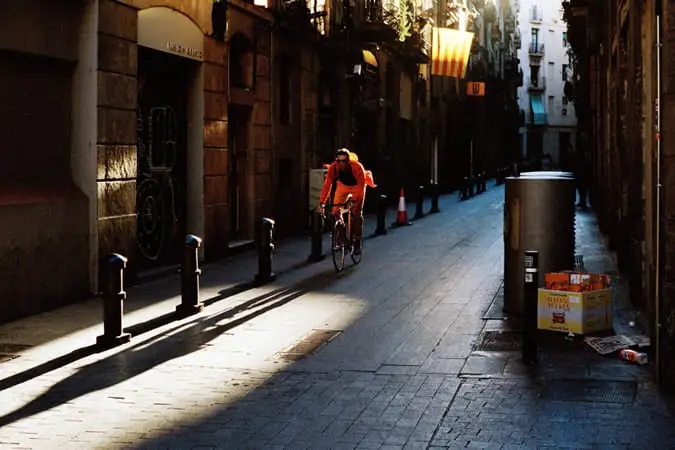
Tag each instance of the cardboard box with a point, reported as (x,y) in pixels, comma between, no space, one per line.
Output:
(574,312)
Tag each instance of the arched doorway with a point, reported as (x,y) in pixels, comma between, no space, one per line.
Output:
(169,176)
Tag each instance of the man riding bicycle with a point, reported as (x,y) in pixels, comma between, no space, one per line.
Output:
(349,177)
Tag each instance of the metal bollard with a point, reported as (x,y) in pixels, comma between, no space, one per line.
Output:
(530,306)
(381,216)
(317,238)
(189,281)
(483,180)
(113,295)
(265,251)
(419,207)
(434,199)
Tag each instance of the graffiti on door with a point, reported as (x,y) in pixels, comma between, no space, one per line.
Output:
(156,197)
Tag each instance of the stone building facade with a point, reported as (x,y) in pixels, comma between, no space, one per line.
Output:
(624,98)
(131,123)
(47,198)
(140,128)
(196,144)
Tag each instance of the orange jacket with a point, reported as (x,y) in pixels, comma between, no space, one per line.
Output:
(363,177)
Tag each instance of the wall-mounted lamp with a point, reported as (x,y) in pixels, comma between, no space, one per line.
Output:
(219,19)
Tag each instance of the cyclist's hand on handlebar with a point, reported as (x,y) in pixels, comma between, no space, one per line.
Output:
(322,209)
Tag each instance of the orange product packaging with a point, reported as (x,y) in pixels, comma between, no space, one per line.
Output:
(576,281)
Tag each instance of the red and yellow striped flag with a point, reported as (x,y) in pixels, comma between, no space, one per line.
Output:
(450,52)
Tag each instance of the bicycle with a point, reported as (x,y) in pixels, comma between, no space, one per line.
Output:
(341,237)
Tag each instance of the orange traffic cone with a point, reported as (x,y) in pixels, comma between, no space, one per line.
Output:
(402,215)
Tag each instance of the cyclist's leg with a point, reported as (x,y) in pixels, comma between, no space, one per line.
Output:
(341,192)
(357,218)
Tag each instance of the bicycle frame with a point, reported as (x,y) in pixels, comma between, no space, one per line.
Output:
(341,236)
(343,208)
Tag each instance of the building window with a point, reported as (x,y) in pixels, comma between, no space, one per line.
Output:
(564,37)
(551,104)
(551,70)
(535,36)
(241,62)
(564,105)
(564,72)
(284,91)
(534,75)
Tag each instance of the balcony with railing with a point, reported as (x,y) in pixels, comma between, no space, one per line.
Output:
(535,49)
(378,21)
(305,15)
(536,15)
(536,83)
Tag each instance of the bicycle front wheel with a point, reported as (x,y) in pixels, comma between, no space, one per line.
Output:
(339,243)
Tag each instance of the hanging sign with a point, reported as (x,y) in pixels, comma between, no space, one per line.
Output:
(475,89)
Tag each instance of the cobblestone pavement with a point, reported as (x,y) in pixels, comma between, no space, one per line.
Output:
(393,363)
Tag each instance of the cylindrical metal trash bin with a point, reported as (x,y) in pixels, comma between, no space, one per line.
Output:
(547,173)
(539,215)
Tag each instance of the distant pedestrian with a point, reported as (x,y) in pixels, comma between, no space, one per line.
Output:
(580,168)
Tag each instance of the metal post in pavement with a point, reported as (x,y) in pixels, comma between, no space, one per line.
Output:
(189,281)
(419,207)
(530,306)
(316,238)
(265,251)
(113,296)
(381,216)
(435,192)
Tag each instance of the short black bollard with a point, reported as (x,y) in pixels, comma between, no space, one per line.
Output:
(419,207)
(113,295)
(483,180)
(530,306)
(265,251)
(317,238)
(434,199)
(189,278)
(381,216)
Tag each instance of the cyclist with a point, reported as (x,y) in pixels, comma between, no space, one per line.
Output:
(349,177)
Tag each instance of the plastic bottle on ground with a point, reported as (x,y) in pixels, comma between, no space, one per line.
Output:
(633,356)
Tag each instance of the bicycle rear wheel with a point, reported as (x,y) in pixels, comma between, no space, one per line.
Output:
(339,246)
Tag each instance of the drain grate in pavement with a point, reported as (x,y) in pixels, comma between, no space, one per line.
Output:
(590,391)
(499,341)
(309,344)
(496,309)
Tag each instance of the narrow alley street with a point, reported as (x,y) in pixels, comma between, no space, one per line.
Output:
(389,354)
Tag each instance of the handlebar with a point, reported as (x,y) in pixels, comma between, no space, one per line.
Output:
(348,202)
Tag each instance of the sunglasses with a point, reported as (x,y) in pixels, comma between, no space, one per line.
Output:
(341,161)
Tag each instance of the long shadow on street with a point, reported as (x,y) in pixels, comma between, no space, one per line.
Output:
(148,354)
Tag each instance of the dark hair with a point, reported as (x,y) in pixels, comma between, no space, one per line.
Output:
(343,152)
